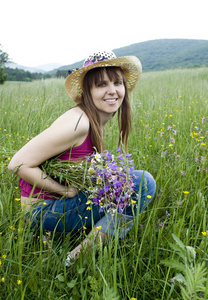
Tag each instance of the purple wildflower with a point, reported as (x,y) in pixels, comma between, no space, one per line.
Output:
(120,156)
(130,161)
(131,169)
(108,155)
(119,209)
(202,119)
(106,188)
(113,166)
(167,214)
(119,150)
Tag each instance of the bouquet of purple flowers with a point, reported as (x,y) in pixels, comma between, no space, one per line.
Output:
(107,178)
(111,180)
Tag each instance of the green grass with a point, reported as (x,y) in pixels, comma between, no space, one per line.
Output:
(165,254)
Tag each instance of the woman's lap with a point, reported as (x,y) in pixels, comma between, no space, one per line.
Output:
(64,215)
(70,215)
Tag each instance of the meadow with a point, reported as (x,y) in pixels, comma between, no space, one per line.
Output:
(164,256)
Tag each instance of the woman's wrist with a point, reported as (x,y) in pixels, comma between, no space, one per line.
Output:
(69,192)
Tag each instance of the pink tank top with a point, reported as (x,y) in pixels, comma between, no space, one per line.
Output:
(85,149)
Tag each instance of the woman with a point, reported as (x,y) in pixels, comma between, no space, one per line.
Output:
(100,89)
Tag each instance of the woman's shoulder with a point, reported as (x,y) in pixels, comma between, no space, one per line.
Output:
(76,119)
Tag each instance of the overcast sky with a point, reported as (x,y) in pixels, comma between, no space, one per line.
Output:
(65,31)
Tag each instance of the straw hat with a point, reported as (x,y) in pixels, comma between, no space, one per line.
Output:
(130,65)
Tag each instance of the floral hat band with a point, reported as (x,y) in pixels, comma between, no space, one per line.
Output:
(130,65)
(99,56)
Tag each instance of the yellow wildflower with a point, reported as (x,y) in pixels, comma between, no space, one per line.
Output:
(17,199)
(204,233)
(186,192)
(149,197)
(88,208)
(99,227)
(19,281)
(12,227)
(3,279)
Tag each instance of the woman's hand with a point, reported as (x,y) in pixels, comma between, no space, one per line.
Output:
(70,192)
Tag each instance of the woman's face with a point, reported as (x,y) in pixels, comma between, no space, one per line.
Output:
(107,94)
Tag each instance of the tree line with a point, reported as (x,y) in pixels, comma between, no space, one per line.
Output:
(3,59)
(9,74)
(21,75)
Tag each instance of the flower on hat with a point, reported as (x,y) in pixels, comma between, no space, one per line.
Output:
(99,56)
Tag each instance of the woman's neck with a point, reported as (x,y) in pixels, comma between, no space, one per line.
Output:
(104,118)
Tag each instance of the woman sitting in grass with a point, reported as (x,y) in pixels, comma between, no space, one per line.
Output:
(100,89)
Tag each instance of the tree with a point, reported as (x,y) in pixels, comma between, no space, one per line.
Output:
(3,59)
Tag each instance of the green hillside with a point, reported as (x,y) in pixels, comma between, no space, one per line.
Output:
(163,54)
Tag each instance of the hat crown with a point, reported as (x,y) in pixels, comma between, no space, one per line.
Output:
(98,56)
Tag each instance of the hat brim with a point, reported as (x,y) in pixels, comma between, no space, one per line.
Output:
(130,65)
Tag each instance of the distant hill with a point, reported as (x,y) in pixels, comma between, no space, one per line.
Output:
(13,65)
(162,54)
(39,69)
(49,67)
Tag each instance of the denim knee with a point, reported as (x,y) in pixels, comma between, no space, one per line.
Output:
(148,182)
(112,223)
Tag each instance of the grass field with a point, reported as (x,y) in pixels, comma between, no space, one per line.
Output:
(165,254)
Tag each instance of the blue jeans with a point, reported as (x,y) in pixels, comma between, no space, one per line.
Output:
(71,214)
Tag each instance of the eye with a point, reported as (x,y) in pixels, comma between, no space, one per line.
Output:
(101,84)
(119,82)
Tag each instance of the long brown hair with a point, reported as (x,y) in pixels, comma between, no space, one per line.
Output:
(87,105)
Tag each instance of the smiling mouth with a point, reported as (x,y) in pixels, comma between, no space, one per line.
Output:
(111,100)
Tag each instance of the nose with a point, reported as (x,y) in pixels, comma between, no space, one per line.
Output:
(111,89)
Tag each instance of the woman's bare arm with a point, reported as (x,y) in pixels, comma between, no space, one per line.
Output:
(67,131)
